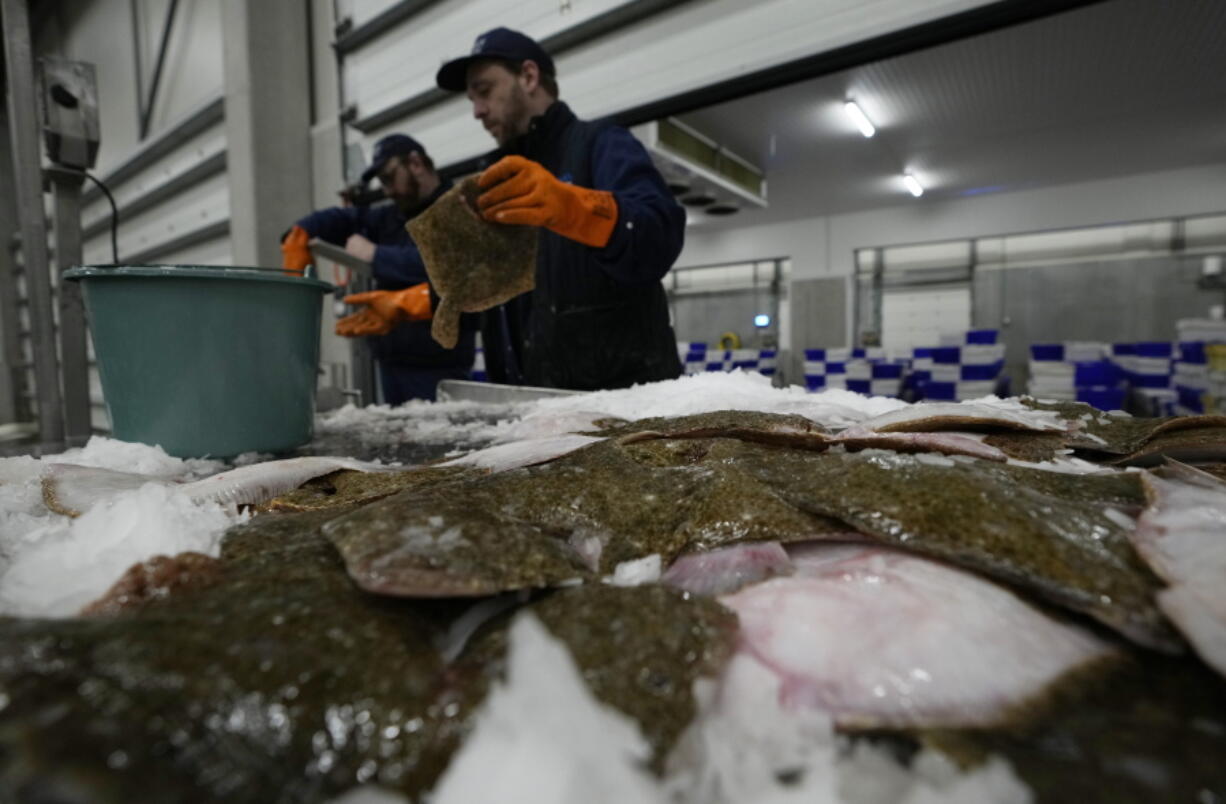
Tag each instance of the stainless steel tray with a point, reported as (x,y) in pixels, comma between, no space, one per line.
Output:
(469,391)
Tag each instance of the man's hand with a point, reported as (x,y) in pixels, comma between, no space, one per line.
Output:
(385,309)
(295,256)
(520,191)
(360,247)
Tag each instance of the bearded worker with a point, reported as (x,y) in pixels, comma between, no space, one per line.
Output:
(609,228)
(396,315)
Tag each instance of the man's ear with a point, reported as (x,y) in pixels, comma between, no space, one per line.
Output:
(529,75)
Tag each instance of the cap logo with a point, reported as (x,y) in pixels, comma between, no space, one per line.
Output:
(479,45)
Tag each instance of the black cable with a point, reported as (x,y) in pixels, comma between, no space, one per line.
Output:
(114,216)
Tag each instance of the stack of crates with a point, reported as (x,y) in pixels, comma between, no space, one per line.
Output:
(1190,379)
(826,368)
(970,370)
(693,356)
(697,358)
(871,372)
(1200,369)
(1077,370)
(866,370)
(1147,367)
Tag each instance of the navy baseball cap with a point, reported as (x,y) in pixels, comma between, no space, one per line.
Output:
(386,148)
(500,43)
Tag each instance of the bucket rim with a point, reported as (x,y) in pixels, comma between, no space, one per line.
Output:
(249,273)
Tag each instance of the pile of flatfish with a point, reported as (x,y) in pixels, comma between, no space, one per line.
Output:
(982,580)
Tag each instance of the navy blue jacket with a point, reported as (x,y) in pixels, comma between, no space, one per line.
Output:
(397,265)
(598,317)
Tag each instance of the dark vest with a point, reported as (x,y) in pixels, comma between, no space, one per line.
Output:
(580,329)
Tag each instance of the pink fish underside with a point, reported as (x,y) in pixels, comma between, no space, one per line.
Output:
(946,443)
(883,639)
(1182,536)
(727,569)
(937,416)
(853,439)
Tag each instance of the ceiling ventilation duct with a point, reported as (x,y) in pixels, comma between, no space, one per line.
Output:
(703,174)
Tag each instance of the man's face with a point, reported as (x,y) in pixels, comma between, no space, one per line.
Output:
(399,184)
(499,100)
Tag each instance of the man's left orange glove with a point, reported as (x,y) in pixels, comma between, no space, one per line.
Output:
(385,309)
(295,254)
(521,191)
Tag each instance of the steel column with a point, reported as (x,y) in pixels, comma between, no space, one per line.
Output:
(13,403)
(23,124)
(74,357)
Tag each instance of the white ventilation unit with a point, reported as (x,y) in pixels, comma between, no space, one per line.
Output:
(704,175)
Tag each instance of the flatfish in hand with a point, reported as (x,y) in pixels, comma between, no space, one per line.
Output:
(473,265)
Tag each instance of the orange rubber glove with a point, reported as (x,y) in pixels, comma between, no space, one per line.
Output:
(295,256)
(385,309)
(523,192)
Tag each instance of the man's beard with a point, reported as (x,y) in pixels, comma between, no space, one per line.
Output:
(515,122)
(411,200)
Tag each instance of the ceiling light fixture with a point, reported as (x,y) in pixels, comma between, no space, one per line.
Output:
(916,189)
(859,118)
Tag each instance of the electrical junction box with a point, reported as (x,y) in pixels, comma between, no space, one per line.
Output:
(70,112)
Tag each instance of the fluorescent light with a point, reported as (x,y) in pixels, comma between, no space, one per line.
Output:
(913,185)
(859,118)
(761,320)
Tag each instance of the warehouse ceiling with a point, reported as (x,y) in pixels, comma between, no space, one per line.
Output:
(1117,88)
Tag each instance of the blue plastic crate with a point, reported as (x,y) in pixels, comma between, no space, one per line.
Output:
(1100,373)
(946,354)
(988,371)
(947,391)
(1190,398)
(1154,349)
(1102,398)
(1193,352)
(1047,351)
(1150,380)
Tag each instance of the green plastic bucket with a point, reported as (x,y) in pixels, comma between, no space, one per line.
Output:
(202,360)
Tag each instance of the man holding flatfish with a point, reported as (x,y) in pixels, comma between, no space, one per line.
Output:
(605,231)
(394,317)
